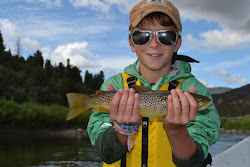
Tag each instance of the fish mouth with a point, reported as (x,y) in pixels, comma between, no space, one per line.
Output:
(206,106)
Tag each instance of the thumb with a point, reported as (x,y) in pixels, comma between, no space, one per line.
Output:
(110,87)
(192,89)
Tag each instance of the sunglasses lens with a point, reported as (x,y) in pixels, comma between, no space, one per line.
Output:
(167,37)
(140,37)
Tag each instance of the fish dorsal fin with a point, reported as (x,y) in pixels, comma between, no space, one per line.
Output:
(98,91)
(139,88)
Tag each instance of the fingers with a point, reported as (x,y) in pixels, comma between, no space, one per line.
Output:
(193,103)
(182,108)
(185,106)
(124,107)
(170,115)
(129,106)
(193,106)
(123,104)
(136,118)
(176,104)
(115,104)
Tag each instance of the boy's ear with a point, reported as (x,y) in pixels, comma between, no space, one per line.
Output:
(131,45)
(178,45)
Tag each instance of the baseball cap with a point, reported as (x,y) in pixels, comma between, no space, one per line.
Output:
(146,7)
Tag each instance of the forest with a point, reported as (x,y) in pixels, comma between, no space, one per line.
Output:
(37,80)
(33,91)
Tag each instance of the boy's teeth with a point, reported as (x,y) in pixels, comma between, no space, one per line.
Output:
(155,55)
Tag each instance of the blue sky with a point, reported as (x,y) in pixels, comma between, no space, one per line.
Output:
(94,35)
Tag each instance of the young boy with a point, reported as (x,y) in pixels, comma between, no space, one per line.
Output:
(183,137)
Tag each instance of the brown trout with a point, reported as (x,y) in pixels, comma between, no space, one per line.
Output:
(153,104)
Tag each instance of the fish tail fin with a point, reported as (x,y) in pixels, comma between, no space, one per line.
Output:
(77,104)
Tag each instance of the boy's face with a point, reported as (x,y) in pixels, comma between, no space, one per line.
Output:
(154,56)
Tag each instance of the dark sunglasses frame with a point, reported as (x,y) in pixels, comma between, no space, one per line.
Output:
(156,33)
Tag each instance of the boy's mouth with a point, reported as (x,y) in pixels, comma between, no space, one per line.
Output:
(154,55)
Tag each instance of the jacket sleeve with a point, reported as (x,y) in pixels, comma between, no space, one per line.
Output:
(205,128)
(100,131)
(196,160)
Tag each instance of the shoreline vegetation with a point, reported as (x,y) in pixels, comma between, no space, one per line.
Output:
(240,124)
(33,115)
(49,119)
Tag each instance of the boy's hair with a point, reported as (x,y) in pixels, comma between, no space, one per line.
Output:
(161,18)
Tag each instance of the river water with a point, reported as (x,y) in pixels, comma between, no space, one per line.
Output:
(29,150)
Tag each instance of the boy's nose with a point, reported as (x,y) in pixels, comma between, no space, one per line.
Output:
(154,42)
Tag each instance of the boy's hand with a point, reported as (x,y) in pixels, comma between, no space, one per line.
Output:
(124,107)
(182,109)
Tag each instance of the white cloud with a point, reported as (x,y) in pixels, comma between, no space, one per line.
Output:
(208,85)
(222,73)
(46,51)
(109,71)
(76,52)
(81,57)
(48,3)
(8,28)
(113,65)
(29,44)
(229,64)
(124,5)
(234,79)
(104,6)
(221,40)
(232,16)
(10,34)
(237,79)
(93,4)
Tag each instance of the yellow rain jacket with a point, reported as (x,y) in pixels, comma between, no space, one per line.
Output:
(204,130)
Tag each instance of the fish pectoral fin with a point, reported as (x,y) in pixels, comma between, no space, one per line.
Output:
(100,109)
(205,106)
(139,88)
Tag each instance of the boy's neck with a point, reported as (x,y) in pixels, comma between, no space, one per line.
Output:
(153,76)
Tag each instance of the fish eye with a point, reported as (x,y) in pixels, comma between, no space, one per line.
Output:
(199,101)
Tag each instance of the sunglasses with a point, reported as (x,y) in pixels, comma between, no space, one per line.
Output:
(164,37)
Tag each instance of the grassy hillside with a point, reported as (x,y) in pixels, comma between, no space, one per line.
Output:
(219,90)
(233,103)
(238,106)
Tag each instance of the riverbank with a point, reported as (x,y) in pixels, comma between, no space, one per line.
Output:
(44,132)
(32,115)
(234,131)
(76,132)
(236,124)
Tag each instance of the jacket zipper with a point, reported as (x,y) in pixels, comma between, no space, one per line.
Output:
(145,142)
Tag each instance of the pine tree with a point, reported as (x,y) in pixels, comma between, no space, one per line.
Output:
(2,47)
(36,60)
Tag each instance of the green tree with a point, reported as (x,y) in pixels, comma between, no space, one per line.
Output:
(36,60)
(98,80)
(88,82)
(33,80)
(48,68)
(2,47)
